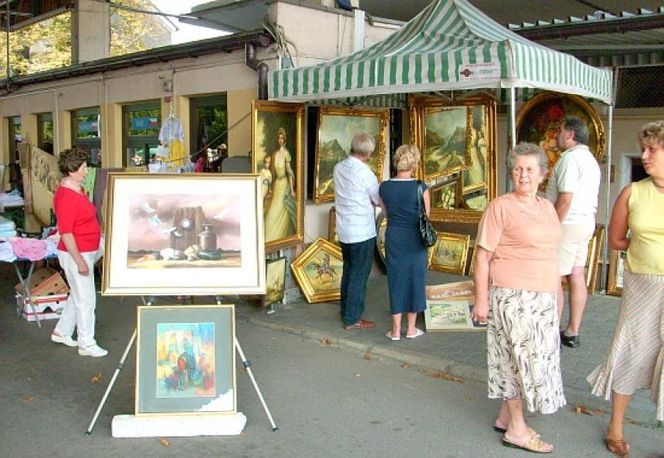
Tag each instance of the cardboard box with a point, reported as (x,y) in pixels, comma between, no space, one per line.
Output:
(44,282)
(44,307)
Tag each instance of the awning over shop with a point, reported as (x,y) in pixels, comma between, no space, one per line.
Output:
(450,45)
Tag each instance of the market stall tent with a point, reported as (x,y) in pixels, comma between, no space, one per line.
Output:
(449,46)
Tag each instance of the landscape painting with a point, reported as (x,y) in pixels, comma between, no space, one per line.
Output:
(336,129)
(446,141)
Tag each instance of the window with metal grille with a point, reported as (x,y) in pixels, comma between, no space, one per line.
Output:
(640,87)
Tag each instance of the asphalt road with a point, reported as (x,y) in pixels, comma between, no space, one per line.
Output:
(326,401)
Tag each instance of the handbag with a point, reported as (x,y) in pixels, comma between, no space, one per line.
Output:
(427,232)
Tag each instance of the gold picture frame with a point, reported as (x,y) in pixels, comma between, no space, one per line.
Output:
(282,183)
(332,235)
(538,121)
(381,229)
(318,271)
(336,128)
(275,280)
(477,174)
(183,234)
(616,272)
(450,252)
(445,195)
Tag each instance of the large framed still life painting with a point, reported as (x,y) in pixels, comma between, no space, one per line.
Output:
(192,234)
(185,360)
(336,129)
(277,158)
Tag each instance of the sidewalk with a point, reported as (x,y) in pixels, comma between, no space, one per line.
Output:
(460,354)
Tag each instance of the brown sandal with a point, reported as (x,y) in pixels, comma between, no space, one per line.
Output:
(617,447)
(362,324)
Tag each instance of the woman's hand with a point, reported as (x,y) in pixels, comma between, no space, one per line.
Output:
(83,268)
(480,311)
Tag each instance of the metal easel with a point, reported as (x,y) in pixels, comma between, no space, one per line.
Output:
(247,365)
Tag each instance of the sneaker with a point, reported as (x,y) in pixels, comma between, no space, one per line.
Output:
(569,341)
(65,340)
(94,350)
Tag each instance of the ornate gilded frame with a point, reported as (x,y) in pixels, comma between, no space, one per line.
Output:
(481,120)
(318,271)
(592,261)
(332,225)
(538,121)
(336,128)
(450,253)
(616,272)
(267,119)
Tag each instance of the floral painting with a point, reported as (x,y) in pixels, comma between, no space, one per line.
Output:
(538,121)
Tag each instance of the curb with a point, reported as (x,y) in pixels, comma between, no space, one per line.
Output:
(453,368)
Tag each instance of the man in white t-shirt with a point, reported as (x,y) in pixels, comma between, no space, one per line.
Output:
(573,188)
(356,195)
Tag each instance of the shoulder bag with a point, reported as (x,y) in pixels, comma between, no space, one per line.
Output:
(427,231)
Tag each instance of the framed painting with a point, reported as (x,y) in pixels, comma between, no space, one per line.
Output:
(449,306)
(616,272)
(183,234)
(275,279)
(449,253)
(336,129)
(278,159)
(318,271)
(332,225)
(471,266)
(444,195)
(538,121)
(381,227)
(185,360)
(464,288)
(458,143)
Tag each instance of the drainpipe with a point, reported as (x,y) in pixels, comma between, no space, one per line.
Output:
(260,66)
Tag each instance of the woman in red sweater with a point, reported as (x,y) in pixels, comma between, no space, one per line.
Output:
(78,250)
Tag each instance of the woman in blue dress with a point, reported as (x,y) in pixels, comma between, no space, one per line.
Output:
(405,254)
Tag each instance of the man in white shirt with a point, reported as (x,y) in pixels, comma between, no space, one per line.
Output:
(573,188)
(356,194)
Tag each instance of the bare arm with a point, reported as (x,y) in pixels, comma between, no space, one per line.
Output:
(563,203)
(618,225)
(427,201)
(481,276)
(72,249)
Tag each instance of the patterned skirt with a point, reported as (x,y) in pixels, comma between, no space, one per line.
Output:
(636,355)
(523,349)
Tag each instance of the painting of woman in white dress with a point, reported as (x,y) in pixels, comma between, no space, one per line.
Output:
(277,153)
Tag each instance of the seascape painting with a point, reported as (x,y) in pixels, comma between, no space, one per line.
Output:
(182,230)
(185,360)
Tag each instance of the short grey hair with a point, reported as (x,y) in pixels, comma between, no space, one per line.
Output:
(653,132)
(405,157)
(528,149)
(363,145)
(576,125)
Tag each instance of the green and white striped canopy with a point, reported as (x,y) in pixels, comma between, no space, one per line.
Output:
(450,45)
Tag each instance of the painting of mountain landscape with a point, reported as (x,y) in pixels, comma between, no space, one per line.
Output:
(336,129)
(446,145)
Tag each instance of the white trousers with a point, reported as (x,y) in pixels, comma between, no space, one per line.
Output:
(79,312)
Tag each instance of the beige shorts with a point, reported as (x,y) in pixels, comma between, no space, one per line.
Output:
(573,249)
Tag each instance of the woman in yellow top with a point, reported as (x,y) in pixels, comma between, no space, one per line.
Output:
(636,355)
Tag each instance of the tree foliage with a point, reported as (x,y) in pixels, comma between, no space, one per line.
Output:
(47,45)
